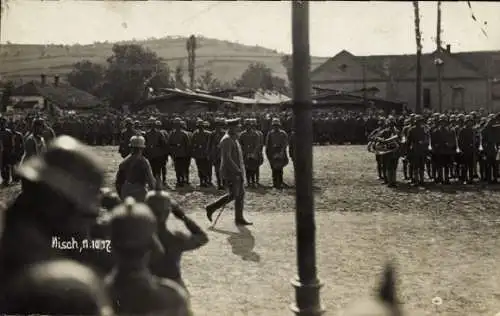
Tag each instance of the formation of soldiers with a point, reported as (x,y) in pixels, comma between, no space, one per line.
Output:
(459,148)
(202,145)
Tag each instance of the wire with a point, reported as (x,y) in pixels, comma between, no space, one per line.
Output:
(473,16)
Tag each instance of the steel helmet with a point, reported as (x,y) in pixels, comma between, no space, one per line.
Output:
(70,168)
(132,225)
(57,287)
(137,142)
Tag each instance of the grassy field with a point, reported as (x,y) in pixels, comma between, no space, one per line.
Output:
(225,59)
(445,242)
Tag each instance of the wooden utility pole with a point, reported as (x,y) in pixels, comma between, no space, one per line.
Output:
(191,48)
(307,285)
(439,60)
(418,38)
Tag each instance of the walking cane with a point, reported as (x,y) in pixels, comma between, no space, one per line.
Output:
(218,215)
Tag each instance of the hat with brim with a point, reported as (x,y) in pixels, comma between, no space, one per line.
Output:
(233,122)
(74,173)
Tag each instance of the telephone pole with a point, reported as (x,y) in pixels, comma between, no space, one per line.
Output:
(191,48)
(418,38)
(307,285)
(439,60)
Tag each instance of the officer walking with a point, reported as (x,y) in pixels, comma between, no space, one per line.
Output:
(232,171)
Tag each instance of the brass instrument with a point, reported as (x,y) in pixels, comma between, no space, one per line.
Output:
(384,146)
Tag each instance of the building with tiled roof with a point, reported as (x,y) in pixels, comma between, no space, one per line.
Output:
(470,80)
(54,93)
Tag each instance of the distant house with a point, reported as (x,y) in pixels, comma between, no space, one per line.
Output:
(470,80)
(42,94)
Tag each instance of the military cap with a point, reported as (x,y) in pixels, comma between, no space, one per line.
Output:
(132,225)
(206,124)
(137,142)
(419,118)
(442,117)
(158,123)
(177,120)
(233,122)
(137,122)
(199,122)
(70,168)
(275,122)
(57,287)
(468,117)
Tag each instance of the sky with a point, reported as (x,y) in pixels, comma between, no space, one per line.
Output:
(363,28)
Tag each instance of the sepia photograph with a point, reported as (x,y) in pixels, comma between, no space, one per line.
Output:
(249,158)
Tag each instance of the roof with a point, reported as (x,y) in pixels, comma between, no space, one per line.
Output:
(63,95)
(474,64)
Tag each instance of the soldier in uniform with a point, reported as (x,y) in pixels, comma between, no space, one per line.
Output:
(489,144)
(259,151)
(276,145)
(378,158)
(179,146)
(168,264)
(35,143)
(59,198)
(155,148)
(164,156)
(7,139)
(135,173)
(17,150)
(443,145)
(418,142)
(56,287)
(200,142)
(48,133)
(466,143)
(390,160)
(132,229)
(251,144)
(215,139)
(232,171)
(126,134)
(186,161)
(407,162)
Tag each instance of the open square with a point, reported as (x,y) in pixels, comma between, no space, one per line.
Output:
(445,242)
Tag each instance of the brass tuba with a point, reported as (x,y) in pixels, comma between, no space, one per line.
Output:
(385,146)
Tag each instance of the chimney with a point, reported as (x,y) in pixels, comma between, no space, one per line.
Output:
(448,48)
(43,78)
(56,80)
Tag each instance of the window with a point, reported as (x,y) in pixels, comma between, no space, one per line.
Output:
(427,98)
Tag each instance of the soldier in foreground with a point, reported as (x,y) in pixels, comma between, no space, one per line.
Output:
(134,290)
(59,200)
(135,173)
(232,171)
(168,264)
(56,287)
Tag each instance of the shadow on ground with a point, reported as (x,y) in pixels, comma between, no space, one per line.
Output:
(242,243)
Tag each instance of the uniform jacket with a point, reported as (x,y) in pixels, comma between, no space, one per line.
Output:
(232,164)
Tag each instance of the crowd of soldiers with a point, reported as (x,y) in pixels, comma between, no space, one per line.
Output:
(446,148)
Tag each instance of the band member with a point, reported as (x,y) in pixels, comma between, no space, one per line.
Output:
(390,159)
(378,157)
(276,145)
(134,173)
(232,171)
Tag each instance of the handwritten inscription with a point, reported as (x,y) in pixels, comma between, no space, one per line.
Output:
(80,245)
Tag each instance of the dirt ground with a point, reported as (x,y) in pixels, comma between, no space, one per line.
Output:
(444,241)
